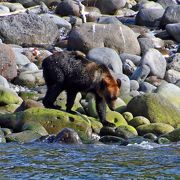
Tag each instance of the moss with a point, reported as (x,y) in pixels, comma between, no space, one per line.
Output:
(8,96)
(95,125)
(129,129)
(155,108)
(116,118)
(173,136)
(10,108)
(2,138)
(138,120)
(155,128)
(54,121)
(127,116)
(35,127)
(23,137)
(28,95)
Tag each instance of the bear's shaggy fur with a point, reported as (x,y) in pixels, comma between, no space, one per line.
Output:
(74,73)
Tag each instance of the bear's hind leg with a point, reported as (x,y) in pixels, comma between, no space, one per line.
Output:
(51,95)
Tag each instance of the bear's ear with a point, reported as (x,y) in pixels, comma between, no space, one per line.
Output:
(119,82)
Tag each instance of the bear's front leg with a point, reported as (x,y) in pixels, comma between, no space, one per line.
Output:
(71,95)
(101,110)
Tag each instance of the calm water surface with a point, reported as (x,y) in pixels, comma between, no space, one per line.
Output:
(54,161)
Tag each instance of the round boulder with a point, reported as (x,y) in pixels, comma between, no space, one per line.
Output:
(28,29)
(106,56)
(92,35)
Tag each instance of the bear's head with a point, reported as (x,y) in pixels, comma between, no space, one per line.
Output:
(110,90)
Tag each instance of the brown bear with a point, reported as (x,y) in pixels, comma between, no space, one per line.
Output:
(71,71)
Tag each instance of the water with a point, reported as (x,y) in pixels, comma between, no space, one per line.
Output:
(54,161)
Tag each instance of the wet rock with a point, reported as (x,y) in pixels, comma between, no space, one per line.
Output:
(93,14)
(7,131)
(7,62)
(155,128)
(123,131)
(171,15)
(163,140)
(28,29)
(138,120)
(173,136)
(113,140)
(154,107)
(30,78)
(149,17)
(95,125)
(92,35)
(145,44)
(106,56)
(148,5)
(171,92)
(67,136)
(174,30)
(150,136)
(8,96)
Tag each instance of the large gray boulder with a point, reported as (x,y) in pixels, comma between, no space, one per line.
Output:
(174,31)
(92,35)
(28,29)
(106,56)
(171,15)
(149,17)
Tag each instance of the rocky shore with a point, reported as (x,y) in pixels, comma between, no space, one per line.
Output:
(139,40)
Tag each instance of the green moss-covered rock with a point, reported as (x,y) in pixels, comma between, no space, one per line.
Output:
(10,108)
(116,118)
(128,128)
(23,137)
(28,95)
(8,96)
(91,107)
(171,92)
(6,131)
(120,105)
(127,116)
(138,120)
(156,128)
(156,108)
(173,136)
(95,125)
(35,127)
(52,120)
